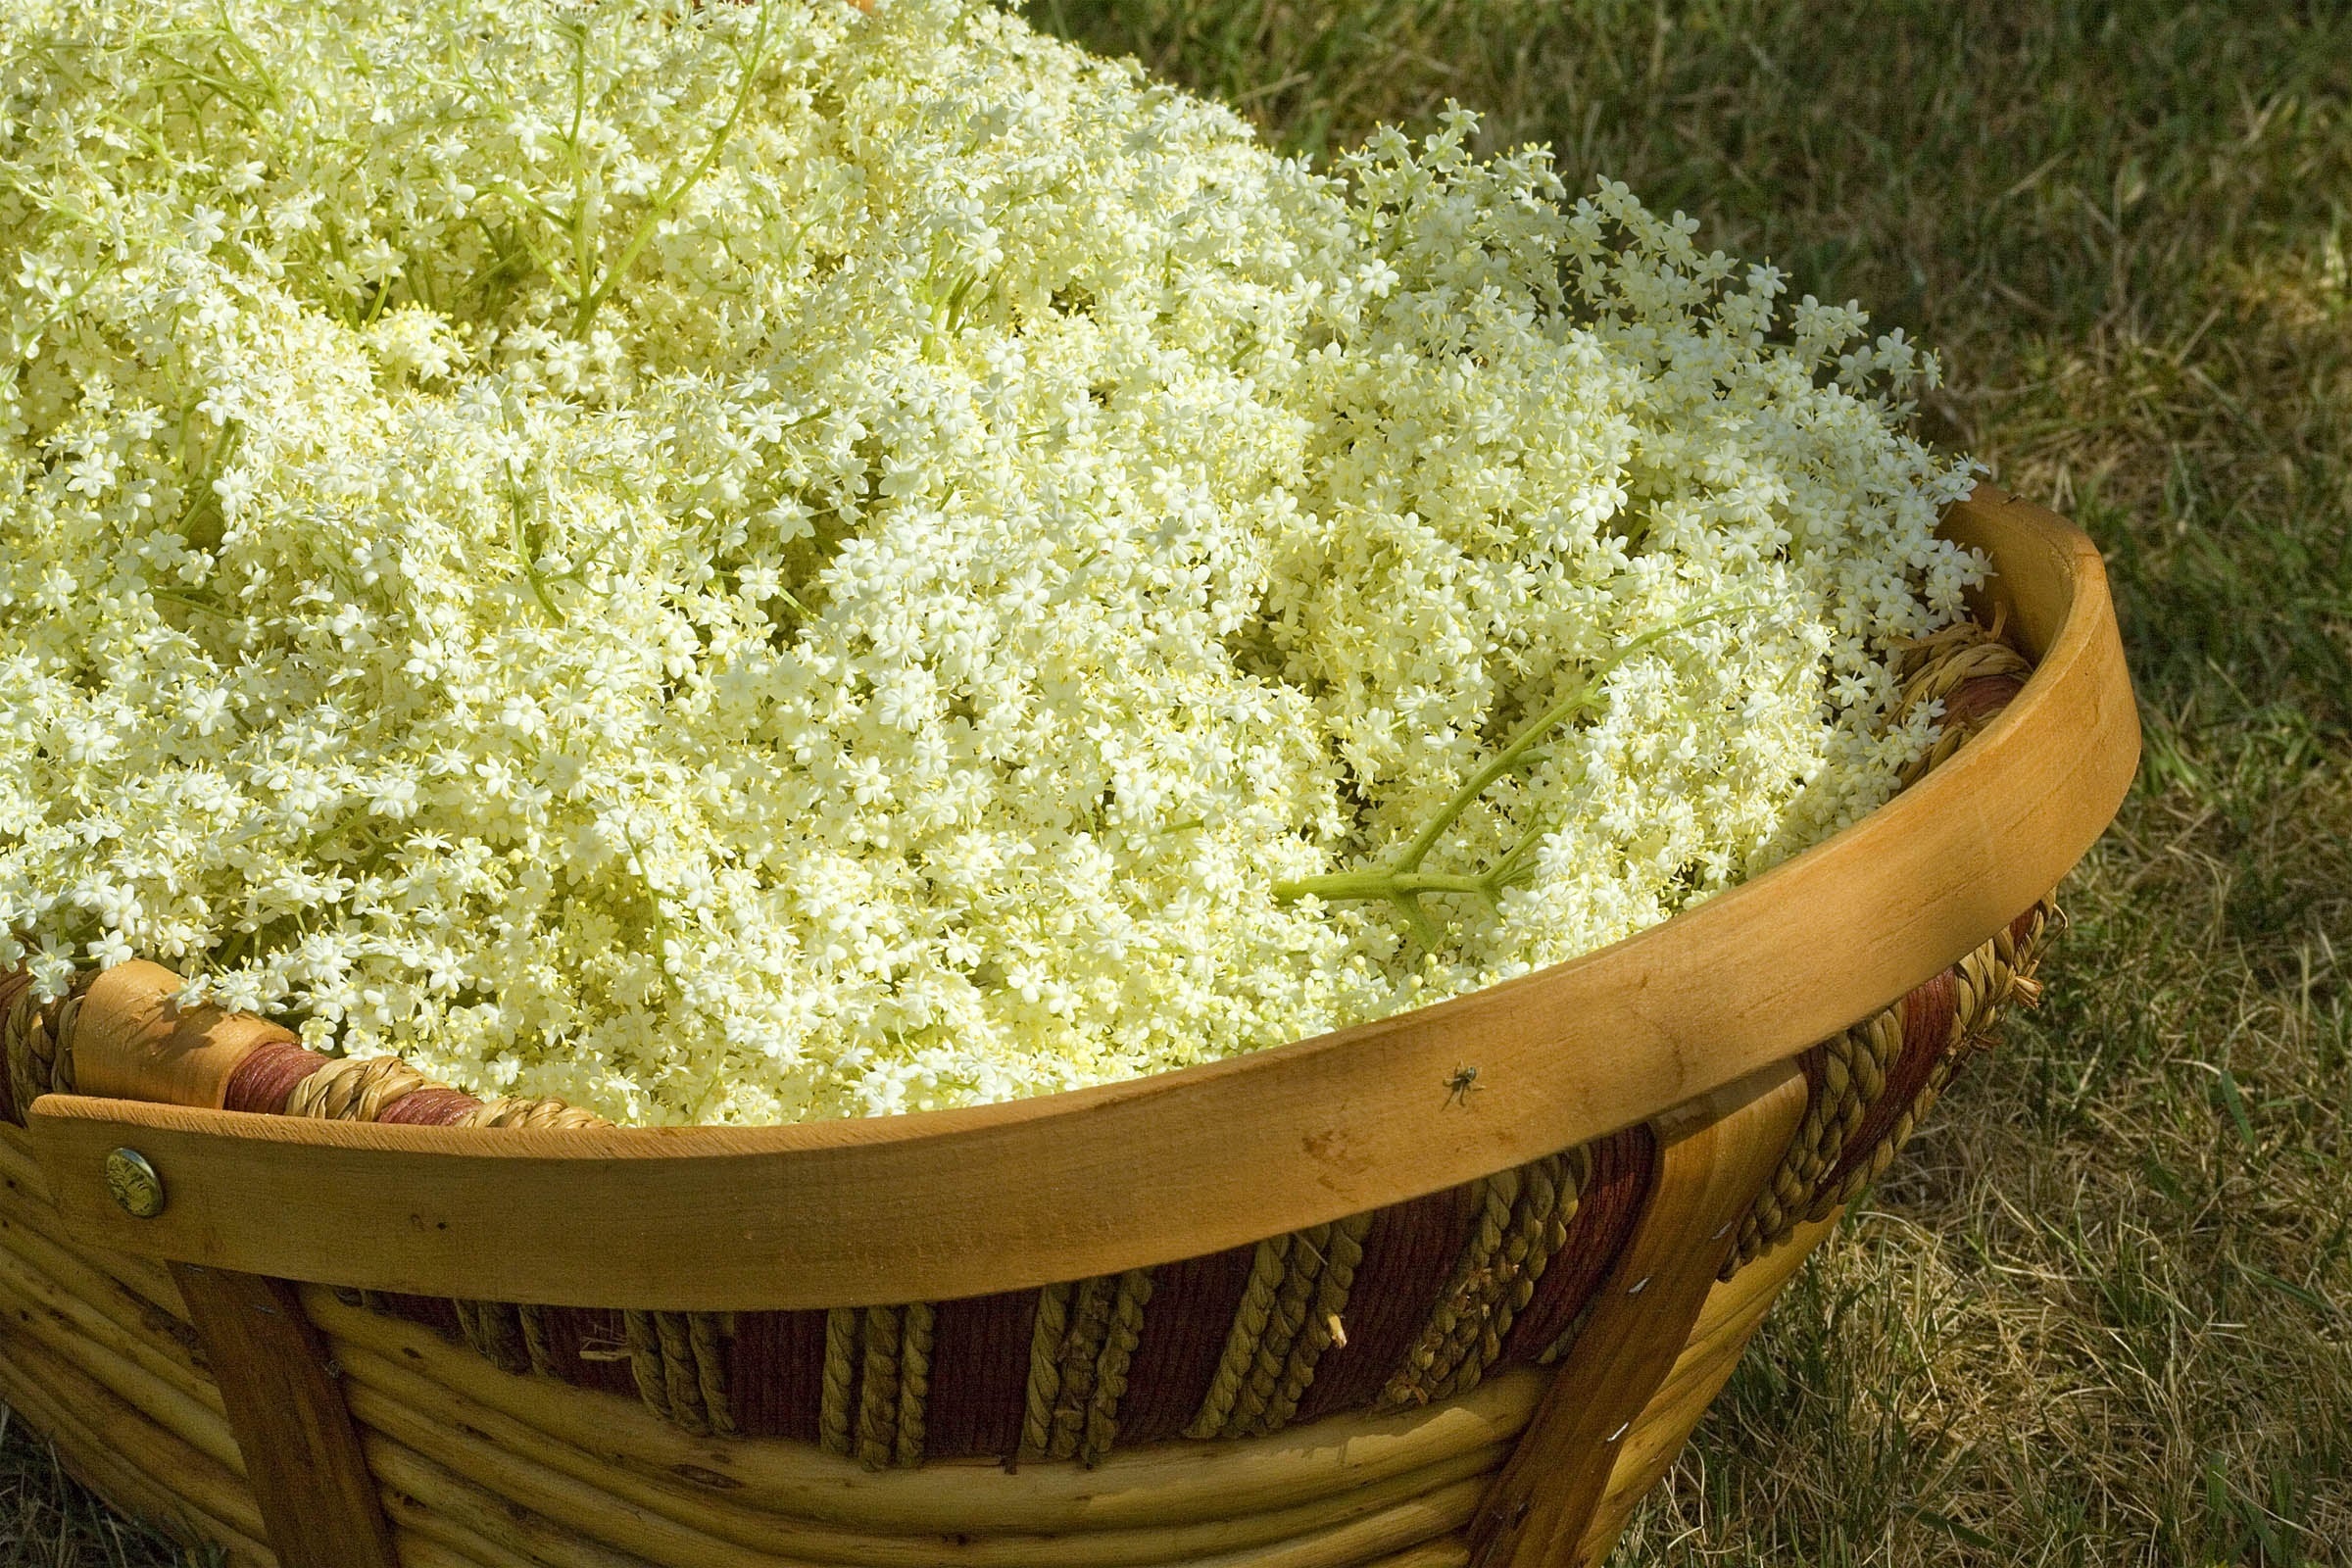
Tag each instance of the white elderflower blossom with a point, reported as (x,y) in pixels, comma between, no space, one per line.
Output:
(756,562)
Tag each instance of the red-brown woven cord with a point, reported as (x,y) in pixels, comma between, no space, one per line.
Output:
(1613,1195)
(430,1107)
(979,1371)
(1182,1341)
(775,1366)
(267,1075)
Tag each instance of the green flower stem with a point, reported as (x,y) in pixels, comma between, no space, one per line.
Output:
(1381,883)
(1403,884)
(752,59)
(518,539)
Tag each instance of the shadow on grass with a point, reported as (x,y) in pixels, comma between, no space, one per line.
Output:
(47,1520)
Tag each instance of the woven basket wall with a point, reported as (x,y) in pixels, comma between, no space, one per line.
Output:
(480,1468)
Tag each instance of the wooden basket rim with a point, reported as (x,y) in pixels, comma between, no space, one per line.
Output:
(940,1205)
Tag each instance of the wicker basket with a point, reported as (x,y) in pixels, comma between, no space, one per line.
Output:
(1448,1287)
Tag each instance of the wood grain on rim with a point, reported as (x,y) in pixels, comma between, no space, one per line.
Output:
(962,1203)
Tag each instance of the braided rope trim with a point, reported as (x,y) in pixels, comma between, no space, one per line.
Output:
(1987,981)
(1521,1227)
(879,1388)
(1267,1270)
(1547,1200)
(1308,1255)
(1044,1390)
(36,1039)
(1470,1290)
(494,1333)
(1941,669)
(1847,1075)
(914,1384)
(1344,1254)
(833,1408)
(1080,1356)
(525,1112)
(1125,1330)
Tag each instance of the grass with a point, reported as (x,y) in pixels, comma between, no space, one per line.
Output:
(2102,1311)
(48,1521)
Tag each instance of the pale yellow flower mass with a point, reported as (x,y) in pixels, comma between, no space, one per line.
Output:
(742,562)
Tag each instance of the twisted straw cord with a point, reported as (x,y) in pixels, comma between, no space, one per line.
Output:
(1283,1323)
(1126,1330)
(1790,1185)
(536,1347)
(1045,1371)
(1427,1365)
(354,1087)
(1535,1234)
(706,1333)
(27,1068)
(468,1327)
(65,1024)
(679,1376)
(1081,1351)
(1568,1336)
(1853,1074)
(1939,664)
(530,1112)
(1266,1269)
(1498,1259)
(878,1389)
(494,1333)
(914,1383)
(1985,982)
(841,1372)
(39,1040)
(1548,1234)
(1344,1254)
(644,1342)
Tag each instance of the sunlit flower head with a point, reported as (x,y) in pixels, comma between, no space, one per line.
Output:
(756,562)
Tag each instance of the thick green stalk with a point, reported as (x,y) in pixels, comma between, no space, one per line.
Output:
(753,60)
(1401,882)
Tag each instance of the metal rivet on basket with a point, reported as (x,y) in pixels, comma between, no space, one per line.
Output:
(137,1189)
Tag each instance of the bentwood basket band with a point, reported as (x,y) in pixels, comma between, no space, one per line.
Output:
(1389,1309)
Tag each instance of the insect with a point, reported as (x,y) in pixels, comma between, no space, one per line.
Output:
(1461,1086)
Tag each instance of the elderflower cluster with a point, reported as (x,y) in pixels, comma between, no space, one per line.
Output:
(739,562)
